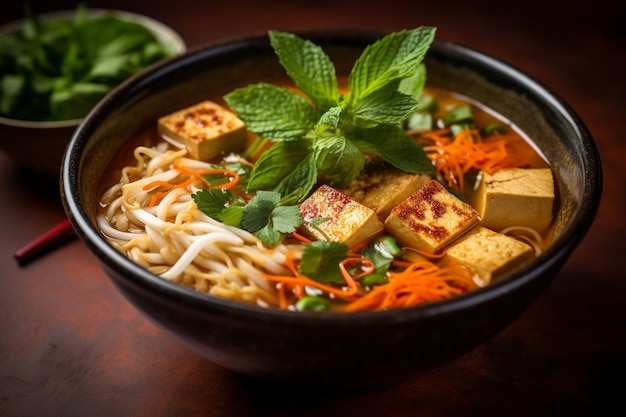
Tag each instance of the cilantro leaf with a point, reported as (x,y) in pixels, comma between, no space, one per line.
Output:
(285,219)
(258,211)
(232,215)
(308,66)
(271,221)
(320,261)
(269,235)
(217,204)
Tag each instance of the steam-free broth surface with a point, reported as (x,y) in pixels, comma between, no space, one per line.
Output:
(148,212)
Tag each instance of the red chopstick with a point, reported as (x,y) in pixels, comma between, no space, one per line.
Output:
(52,239)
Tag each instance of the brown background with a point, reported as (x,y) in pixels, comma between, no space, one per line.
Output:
(70,345)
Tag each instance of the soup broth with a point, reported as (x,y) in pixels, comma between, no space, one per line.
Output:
(150,211)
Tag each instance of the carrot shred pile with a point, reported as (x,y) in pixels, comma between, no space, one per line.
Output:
(193,177)
(297,282)
(453,157)
(419,282)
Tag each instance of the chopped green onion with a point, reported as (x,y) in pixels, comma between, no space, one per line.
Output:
(457,115)
(387,246)
(426,104)
(419,121)
(490,129)
(313,303)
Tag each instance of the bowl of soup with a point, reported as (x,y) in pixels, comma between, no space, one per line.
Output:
(56,66)
(384,208)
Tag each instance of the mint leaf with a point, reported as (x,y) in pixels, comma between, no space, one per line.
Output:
(334,132)
(308,66)
(297,185)
(391,58)
(393,145)
(384,106)
(329,120)
(272,112)
(337,157)
(276,164)
(415,83)
(320,261)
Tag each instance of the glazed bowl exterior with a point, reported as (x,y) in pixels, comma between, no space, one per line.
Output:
(356,350)
(39,145)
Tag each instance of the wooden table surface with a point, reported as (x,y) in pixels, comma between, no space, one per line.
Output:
(71,345)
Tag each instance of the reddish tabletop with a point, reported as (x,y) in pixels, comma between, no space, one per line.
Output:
(71,345)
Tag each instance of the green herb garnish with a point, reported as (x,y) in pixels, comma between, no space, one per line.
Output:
(221,205)
(321,259)
(59,69)
(265,214)
(381,252)
(271,221)
(326,133)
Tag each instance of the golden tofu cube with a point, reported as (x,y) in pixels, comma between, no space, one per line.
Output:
(341,218)
(430,218)
(486,254)
(381,187)
(516,197)
(206,129)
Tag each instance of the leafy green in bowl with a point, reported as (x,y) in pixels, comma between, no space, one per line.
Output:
(55,67)
(58,66)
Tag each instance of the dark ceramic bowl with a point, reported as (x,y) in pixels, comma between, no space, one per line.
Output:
(331,349)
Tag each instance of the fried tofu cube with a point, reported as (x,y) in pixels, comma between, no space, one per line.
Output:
(342,219)
(486,253)
(206,129)
(381,187)
(430,218)
(516,197)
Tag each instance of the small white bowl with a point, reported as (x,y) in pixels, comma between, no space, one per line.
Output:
(39,145)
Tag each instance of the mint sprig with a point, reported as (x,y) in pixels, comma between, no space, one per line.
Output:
(332,133)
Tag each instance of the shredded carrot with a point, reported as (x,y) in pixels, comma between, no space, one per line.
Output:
(193,177)
(455,157)
(297,281)
(301,238)
(420,282)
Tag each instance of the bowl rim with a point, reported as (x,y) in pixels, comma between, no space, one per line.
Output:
(558,251)
(165,34)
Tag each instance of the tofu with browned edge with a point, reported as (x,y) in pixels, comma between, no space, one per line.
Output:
(342,219)
(430,218)
(486,253)
(381,187)
(206,129)
(516,197)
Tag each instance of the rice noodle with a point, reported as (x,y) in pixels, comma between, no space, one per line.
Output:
(177,241)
